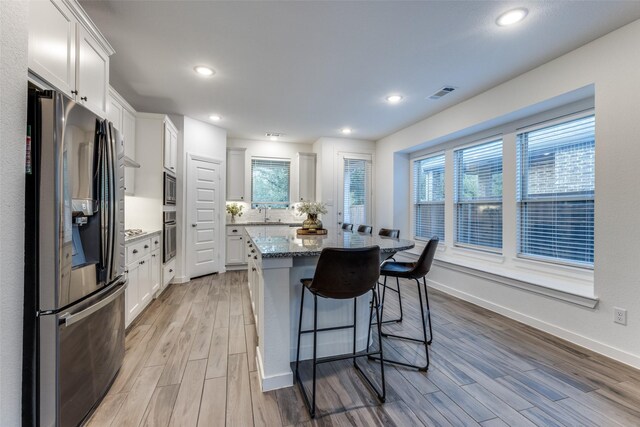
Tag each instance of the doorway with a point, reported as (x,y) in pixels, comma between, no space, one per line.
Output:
(203,216)
(355,196)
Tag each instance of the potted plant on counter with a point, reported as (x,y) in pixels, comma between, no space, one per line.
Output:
(234,210)
(312,209)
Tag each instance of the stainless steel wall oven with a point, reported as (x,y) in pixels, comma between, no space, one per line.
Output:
(169,233)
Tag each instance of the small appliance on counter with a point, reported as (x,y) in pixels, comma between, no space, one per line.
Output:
(74,261)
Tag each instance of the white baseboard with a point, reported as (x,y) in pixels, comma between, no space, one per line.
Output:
(272,382)
(588,343)
(181,279)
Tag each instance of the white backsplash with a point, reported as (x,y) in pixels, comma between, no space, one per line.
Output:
(284,215)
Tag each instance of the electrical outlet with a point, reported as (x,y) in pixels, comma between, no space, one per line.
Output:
(620,315)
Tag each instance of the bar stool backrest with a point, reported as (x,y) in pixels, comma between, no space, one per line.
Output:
(389,232)
(365,229)
(346,273)
(347,226)
(423,265)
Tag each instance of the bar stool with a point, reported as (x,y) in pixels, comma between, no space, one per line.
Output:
(416,271)
(347,226)
(365,229)
(394,234)
(342,274)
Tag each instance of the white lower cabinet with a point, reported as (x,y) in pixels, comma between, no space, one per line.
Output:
(143,274)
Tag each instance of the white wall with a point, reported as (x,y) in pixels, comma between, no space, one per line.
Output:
(13,118)
(200,139)
(328,169)
(611,65)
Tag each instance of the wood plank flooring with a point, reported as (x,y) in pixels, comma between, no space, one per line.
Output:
(190,361)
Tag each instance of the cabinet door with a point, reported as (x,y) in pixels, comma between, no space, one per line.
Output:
(92,74)
(235,175)
(52,44)
(144,277)
(114,113)
(306,176)
(155,272)
(174,152)
(235,250)
(166,159)
(131,295)
(129,136)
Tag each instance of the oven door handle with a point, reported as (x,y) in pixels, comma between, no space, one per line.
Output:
(69,319)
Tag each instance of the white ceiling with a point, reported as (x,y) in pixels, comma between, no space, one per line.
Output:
(308,68)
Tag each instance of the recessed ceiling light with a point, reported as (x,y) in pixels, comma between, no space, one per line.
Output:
(394,99)
(215,117)
(204,71)
(512,17)
(346,131)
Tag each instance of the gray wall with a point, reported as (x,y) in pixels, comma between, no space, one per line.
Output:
(13,118)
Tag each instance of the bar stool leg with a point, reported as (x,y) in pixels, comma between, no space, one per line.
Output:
(379,321)
(315,346)
(426,296)
(424,328)
(299,335)
(355,309)
(399,298)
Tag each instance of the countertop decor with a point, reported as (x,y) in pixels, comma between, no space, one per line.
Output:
(234,210)
(312,209)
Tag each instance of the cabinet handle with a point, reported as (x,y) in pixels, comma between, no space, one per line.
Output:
(301,199)
(126,272)
(141,262)
(234,231)
(253,251)
(146,246)
(241,238)
(154,255)
(74,92)
(249,256)
(135,251)
(171,167)
(241,197)
(253,269)
(255,257)
(156,242)
(83,98)
(171,270)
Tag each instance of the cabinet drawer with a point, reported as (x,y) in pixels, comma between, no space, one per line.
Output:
(138,250)
(169,272)
(235,231)
(156,242)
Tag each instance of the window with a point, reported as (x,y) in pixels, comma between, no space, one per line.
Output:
(556,183)
(356,190)
(428,197)
(270,183)
(478,196)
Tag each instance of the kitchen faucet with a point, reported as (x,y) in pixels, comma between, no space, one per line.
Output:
(264,209)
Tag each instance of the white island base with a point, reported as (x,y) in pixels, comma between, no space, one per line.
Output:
(278,260)
(275,296)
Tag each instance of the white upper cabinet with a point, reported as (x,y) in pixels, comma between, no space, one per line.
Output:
(52,44)
(306,176)
(235,174)
(122,115)
(170,159)
(92,77)
(69,53)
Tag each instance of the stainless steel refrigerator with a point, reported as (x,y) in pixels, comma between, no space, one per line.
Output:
(74,261)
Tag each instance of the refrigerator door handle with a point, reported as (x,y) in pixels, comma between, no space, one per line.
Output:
(69,319)
(113,270)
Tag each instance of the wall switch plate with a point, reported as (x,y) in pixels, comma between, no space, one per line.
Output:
(620,315)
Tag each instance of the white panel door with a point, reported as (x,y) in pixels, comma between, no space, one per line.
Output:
(204,215)
(355,192)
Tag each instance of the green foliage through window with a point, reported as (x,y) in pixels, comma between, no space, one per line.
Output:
(270,183)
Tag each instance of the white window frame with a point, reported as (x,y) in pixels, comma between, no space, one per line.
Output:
(256,205)
(520,176)
(462,245)
(412,177)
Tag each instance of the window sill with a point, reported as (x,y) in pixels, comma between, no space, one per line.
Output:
(565,283)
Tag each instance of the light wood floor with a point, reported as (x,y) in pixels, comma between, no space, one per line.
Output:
(190,361)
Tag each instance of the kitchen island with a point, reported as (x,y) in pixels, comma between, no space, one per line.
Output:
(278,259)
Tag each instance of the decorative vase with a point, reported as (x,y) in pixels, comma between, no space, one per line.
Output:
(233,218)
(312,222)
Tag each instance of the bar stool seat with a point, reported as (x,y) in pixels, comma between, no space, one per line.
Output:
(415,271)
(342,274)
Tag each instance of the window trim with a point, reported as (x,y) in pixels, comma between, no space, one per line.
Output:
(485,140)
(412,204)
(285,205)
(520,175)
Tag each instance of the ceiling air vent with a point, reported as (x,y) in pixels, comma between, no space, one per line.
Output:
(273,134)
(442,92)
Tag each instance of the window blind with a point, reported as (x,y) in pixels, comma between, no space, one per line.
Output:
(357,191)
(478,196)
(555,191)
(270,183)
(428,197)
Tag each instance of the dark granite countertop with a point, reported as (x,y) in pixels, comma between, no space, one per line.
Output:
(283,242)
